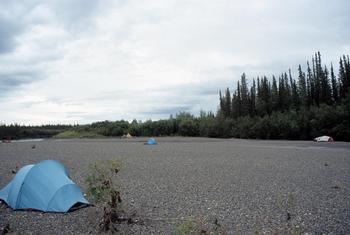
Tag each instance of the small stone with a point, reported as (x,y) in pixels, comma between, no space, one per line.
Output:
(288,216)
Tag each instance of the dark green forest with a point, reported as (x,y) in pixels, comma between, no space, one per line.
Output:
(16,131)
(315,102)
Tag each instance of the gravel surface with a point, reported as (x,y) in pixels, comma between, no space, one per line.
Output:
(249,186)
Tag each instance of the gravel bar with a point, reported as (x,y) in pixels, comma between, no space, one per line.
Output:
(248,186)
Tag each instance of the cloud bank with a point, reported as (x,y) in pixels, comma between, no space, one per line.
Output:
(73,62)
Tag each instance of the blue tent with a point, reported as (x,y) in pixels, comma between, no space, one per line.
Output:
(45,186)
(151,141)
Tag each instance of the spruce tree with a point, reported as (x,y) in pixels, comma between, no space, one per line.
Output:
(234,103)
(244,96)
(239,100)
(274,95)
(227,103)
(311,85)
(252,110)
(347,72)
(259,102)
(302,88)
(316,80)
(335,87)
(344,75)
(222,106)
(281,93)
(294,92)
(288,94)
(326,94)
(265,96)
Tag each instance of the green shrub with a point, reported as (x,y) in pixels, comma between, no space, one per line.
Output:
(102,191)
(100,180)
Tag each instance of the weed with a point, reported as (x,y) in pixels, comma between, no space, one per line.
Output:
(200,226)
(287,206)
(102,191)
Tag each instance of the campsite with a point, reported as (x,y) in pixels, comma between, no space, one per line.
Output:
(181,117)
(247,186)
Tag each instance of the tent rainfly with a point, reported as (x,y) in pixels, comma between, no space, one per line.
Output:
(45,186)
(151,141)
(323,139)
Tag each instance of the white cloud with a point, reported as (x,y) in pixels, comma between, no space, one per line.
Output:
(132,59)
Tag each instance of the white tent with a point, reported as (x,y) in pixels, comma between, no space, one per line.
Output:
(323,139)
(128,136)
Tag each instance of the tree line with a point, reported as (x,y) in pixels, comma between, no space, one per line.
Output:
(16,131)
(317,86)
(315,103)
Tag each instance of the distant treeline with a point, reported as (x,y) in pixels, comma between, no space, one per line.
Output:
(183,124)
(16,131)
(316,103)
(304,124)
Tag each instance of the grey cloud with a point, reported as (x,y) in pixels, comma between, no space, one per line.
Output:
(16,17)
(186,97)
(197,89)
(13,22)
(167,110)
(8,30)
(76,15)
(76,114)
(10,81)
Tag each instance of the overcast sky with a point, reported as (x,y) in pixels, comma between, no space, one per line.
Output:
(78,61)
